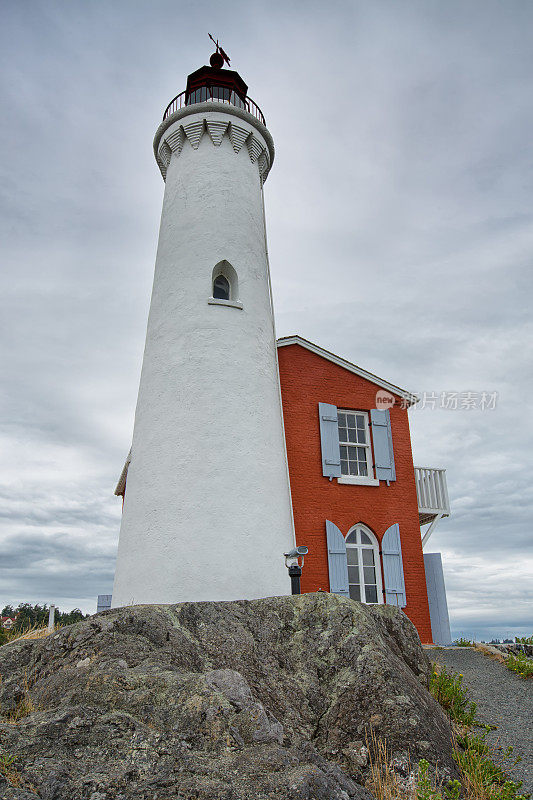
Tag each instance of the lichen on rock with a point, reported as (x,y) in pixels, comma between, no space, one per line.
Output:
(272,698)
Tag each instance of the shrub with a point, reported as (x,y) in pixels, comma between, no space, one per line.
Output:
(521,664)
(426,788)
(447,688)
(463,642)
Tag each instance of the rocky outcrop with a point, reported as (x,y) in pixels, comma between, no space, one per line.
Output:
(269,698)
(513,649)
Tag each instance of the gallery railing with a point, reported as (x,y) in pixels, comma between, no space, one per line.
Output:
(214,94)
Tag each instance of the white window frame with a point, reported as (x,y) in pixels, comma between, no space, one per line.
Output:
(377,561)
(361,480)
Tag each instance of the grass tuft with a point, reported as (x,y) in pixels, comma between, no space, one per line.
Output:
(31,632)
(422,784)
(384,783)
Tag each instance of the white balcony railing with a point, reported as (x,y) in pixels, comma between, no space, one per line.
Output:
(432,494)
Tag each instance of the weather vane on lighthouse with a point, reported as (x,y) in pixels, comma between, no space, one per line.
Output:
(219,56)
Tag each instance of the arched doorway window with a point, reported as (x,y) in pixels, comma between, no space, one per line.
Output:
(364,571)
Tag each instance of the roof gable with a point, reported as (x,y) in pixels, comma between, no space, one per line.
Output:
(341,362)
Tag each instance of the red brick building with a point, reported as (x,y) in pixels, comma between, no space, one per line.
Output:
(356,498)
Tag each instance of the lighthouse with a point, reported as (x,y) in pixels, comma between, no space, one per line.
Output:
(207,510)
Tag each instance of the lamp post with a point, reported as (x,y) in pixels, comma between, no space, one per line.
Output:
(294,561)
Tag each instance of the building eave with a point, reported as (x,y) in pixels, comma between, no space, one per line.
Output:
(409,398)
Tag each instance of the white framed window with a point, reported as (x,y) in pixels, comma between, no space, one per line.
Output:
(224,286)
(364,570)
(355,447)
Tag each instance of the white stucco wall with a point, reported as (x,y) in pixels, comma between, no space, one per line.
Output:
(207,507)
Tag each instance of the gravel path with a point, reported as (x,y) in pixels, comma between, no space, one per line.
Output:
(503,699)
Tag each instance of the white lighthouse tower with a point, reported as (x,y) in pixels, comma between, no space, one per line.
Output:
(207,511)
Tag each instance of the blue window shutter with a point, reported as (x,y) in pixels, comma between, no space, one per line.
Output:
(329,440)
(391,550)
(382,438)
(337,563)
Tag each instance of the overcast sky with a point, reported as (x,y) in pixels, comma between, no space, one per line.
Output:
(400,235)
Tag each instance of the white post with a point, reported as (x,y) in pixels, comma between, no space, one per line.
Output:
(51,619)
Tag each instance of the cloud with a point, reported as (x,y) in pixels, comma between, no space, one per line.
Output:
(483,602)
(400,236)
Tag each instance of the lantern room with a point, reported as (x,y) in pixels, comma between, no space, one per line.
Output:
(218,85)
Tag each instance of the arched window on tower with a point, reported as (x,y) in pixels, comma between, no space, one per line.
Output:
(224,285)
(364,571)
(221,288)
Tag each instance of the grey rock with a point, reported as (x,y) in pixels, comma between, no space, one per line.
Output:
(275,698)
(12,793)
(232,685)
(54,785)
(513,649)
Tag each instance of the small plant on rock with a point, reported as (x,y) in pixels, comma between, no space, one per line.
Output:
(7,769)
(463,642)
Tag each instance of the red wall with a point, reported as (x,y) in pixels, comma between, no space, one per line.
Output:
(307,379)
